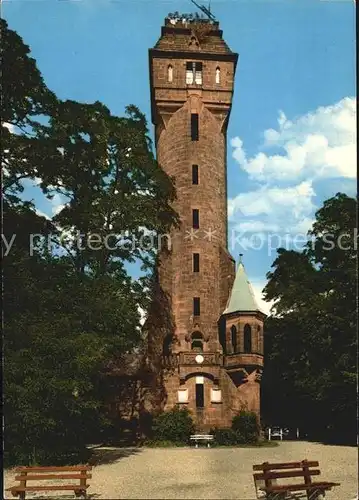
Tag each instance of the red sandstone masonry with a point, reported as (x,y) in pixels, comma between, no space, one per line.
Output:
(172,105)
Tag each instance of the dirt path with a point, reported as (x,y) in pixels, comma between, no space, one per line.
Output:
(218,473)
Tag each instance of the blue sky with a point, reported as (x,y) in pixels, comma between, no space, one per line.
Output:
(292,129)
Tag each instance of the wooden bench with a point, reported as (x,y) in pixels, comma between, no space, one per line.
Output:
(202,437)
(26,474)
(266,482)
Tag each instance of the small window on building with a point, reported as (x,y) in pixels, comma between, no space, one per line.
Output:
(194,127)
(170,73)
(196,306)
(194,174)
(234,338)
(196,262)
(247,341)
(218,75)
(216,396)
(189,73)
(195,218)
(198,73)
(194,73)
(182,396)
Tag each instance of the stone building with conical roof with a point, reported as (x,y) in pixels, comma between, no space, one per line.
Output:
(212,352)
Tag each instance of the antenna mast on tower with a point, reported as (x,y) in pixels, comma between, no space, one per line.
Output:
(206,11)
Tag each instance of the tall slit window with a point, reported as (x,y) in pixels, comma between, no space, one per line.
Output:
(170,73)
(198,73)
(194,127)
(199,395)
(194,174)
(196,262)
(218,75)
(194,73)
(247,344)
(195,218)
(196,306)
(234,338)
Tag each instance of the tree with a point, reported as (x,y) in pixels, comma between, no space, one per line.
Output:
(26,103)
(175,426)
(71,307)
(310,376)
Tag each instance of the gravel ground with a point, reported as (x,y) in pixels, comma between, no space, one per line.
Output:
(218,473)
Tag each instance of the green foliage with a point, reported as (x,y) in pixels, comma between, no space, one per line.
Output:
(175,425)
(246,425)
(70,309)
(311,343)
(226,437)
(153,443)
(244,430)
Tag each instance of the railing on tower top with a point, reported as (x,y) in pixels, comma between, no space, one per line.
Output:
(178,20)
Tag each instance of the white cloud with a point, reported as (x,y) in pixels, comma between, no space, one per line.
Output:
(256,226)
(275,209)
(320,144)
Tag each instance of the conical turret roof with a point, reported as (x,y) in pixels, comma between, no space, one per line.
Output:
(242,296)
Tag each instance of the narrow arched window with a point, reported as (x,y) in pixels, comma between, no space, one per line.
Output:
(247,344)
(170,73)
(197,342)
(234,338)
(218,75)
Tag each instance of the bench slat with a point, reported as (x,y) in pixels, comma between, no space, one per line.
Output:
(54,469)
(203,438)
(43,477)
(285,465)
(279,475)
(295,487)
(73,487)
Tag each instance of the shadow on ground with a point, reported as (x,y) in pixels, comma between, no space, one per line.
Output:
(89,496)
(108,455)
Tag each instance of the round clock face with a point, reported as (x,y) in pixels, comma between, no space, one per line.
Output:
(199,358)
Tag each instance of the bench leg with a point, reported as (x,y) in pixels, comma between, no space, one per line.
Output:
(196,445)
(208,445)
(81,493)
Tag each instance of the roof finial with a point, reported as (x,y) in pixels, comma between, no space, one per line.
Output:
(240,258)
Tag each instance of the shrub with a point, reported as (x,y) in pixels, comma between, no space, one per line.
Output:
(226,437)
(151,443)
(246,425)
(175,425)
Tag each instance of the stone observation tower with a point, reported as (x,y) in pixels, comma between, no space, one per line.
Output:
(213,358)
